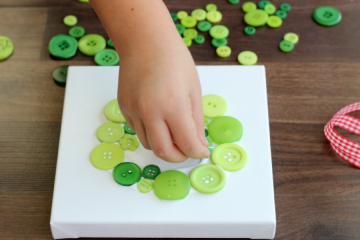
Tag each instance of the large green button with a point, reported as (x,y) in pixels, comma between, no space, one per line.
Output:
(113,113)
(91,44)
(219,32)
(172,185)
(327,16)
(204,26)
(107,57)
(6,47)
(77,32)
(59,75)
(127,173)
(110,132)
(151,171)
(207,178)
(213,106)
(63,46)
(129,142)
(229,156)
(107,155)
(188,22)
(256,18)
(199,14)
(225,130)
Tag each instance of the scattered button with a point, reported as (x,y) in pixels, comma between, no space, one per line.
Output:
(281,14)
(59,75)
(188,22)
(223,51)
(292,37)
(219,42)
(107,57)
(274,22)
(187,41)
(6,47)
(91,44)
(219,32)
(77,32)
(199,39)
(110,43)
(110,132)
(213,106)
(181,29)
(286,46)
(204,26)
(247,58)
(106,156)
(327,16)
(249,30)
(63,46)
(262,4)
(128,129)
(144,185)
(70,20)
(229,156)
(256,18)
(207,178)
(233,1)
(171,185)
(190,33)
(129,142)
(214,16)
(211,7)
(127,173)
(270,9)
(113,113)
(151,171)
(174,17)
(285,7)
(225,129)
(182,14)
(199,14)
(248,7)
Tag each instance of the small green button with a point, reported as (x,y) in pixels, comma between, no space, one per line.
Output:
(199,14)
(151,171)
(219,32)
(292,37)
(207,178)
(144,185)
(281,14)
(107,57)
(274,22)
(6,47)
(286,46)
(77,32)
(270,9)
(256,18)
(247,58)
(229,156)
(174,17)
(225,129)
(249,30)
(285,7)
(181,15)
(233,1)
(181,29)
(248,7)
(327,16)
(262,4)
(106,156)
(110,132)
(110,43)
(91,44)
(129,142)
(188,22)
(171,185)
(219,42)
(213,106)
(204,26)
(211,7)
(59,75)
(113,113)
(127,173)
(190,33)
(70,20)
(214,16)
(128,129)
(223,51)
(63,46)
(199,39)
(211,149)
(206,132)
(187,41)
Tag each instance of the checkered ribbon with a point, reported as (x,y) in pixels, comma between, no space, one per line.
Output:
(345,148)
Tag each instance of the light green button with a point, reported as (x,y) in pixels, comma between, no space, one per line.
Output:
(199,14)
(286,46)
(77,32)
(129,142)
(63,46)
(256,18)
(181,15)
(211,7)
(274,22)
(223,51)
(248,7)
(229,156)
(247,58)
(171,185)
(207,178)
(70,20)
(110,132)
(106,156)
(113,113)
(219,32)
(107,57)
(188,22)
(190,33)
(6,47)
(292,37)
(214,16)
(225,129)
(213,106)
(270,9)
(91,44)
(204,26)
(187,41)
(145,185)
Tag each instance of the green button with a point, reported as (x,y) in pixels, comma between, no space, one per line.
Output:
(248,7)
(213,106)
(187,41)
(211,150)
(225,129)
(181,29)
(91,44)
(247,58)
(144,185)
(77,32)
(206,132)
(270,9)
(219,32)
(281,14)
(206,121)
(128,129)
(63,46)
(223,51)
(286,46)
(110,132)
(256,18)
(285,7)
(249,30)
(204,26)
(59,75)
(129,142)
(151,171)
(214,16)
(233,1)
(327,16)
(107,57)
(292,37)
(199,39)
(174,17)
(188,22)
(207,178)
(110,43)
(70,20)
(262,4)
(274,22)
(113,113)
(211,7)
(199,14)
(106,156)
(181,15)
(6,47)
(172,185)
(219,42)
(190,33)
(127,173)
(229,156)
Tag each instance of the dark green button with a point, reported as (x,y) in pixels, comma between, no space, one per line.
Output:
(151,171)
(110,43)
(199,39)
(77,32)
(181,29)
(281,14)
(63,46)
(174,16)
(206,132)
(128,129)
(107,57)
(204,26)
(327,16)
(286,46)
(219,42)
(59,75)
(249,30)
(285,7)
(262,4)
(233,1)
(127,173)
(91,44)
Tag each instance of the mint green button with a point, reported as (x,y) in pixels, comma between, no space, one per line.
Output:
(214,16)
(6,47)
(106,156)
(188,22)
(127,173)
(91,44)
(63,46)
(129,142)
(204,26)
(219,42)
(113,113)
(248,7)
(199,39)
(225,129)
(256,18)
(211,7)
(199,14)
(144,185)
(70,20)
(107,57)
(59,75)
(219,32)
(171,185)
(110,132)
(181,29)
(77,32)
(190,33)
(207,178)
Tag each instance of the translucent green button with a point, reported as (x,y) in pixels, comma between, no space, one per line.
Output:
(286,46)
(207,178)
(127,173)
(77,32)
(327,16)
(274,22)
(292,37)
(171,185)
(174,17)
(59,75)
(213,106)
(113,113)
(128,129)
(248,7)
(129,142)
(181,29)
(219,42)
(247,58)
(181,14)
(144,185)
(6,47)
(199,39)
(223,51)
(281,14)
(110,132)
(70,20)
(211,7)
(107,57)
(249,30)
(151,171)
(187,41)
(91,44)
(188,22)
(231,157)
(262,4)
(256,18)
(63,46)
(199,14)
(190,33)
(219,32)
(106,156)
(225,130)
(214,16)
(285,7)
(204,26)
(270,9)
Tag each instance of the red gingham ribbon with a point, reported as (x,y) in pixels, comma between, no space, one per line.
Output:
(345,148)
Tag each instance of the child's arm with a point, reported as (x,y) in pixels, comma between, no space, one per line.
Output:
(159,89)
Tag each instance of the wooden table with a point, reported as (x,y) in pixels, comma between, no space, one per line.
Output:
(316,195)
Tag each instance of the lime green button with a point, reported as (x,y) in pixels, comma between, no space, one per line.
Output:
(151,171)
(281,14)
(214,16)
(286,46)
(262,4)
(110,132)
(181,15)
(204,26)
(233,1)
(63,46)
(274,22)
(70,20)
(187,41)
(248,7)
(270,9)
(199,39)
(181,29)
(110,43)
(199,14)
(231,157)
(113,113)
(219,32)
(91,44)
(6,47)
(225,129)
(59,75)
(327,16)
(129,142)
(219,42)
(223,51)
(171,185)
(128,129)
(190,33)
(247,58)
(106,156)
(249,30)
(213,106)
(144,185)
(256,18)
(188,22)
(174,17)
(285,7)
(77,32)
(211,7)
(127,173)
(292,37)
(207,178)
(107,57)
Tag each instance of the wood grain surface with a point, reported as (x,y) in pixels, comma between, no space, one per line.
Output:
(317,196)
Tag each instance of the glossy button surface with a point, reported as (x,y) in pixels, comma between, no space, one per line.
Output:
(231,157)
(63,46)
(129,142)
(207,178)
(223,51)
(225,129)
(110,132)
(171,185)
(107,155)
(127,173)
(213,106)
(107,57)
(128,129)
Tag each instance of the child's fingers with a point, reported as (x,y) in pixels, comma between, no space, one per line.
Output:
(139,129)
(198,116)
